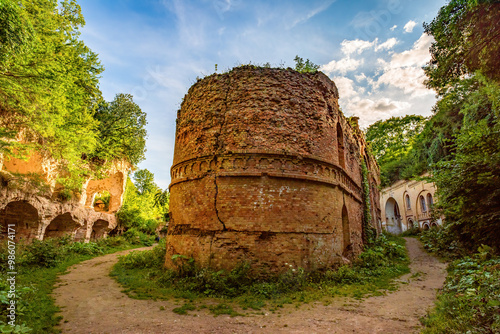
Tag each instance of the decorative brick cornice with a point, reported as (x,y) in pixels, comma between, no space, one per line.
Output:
(265,163)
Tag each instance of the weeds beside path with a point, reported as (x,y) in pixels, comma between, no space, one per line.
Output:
(92,302)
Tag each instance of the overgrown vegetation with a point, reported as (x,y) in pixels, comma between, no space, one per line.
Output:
(391,141)
(50,97)
(38,264)
(145,205)
(144,277)
(470,299)
(305,66)
(460,144)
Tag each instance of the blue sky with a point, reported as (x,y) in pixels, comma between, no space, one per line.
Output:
(155,50)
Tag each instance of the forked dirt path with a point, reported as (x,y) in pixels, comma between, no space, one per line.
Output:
(92,302)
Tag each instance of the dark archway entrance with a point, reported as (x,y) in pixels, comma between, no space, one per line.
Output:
(393,217)
(346,231)
(23,216)
(99,229)
(60,226)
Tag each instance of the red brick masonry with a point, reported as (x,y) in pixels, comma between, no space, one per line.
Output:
(257,175)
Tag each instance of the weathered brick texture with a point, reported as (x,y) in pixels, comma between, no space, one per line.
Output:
(257,177)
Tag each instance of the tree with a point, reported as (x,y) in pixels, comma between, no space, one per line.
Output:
(390,141)
(464,142)
(144,180)
(121,131)
(48,78)
(305,67)
(466,34)
(468,181)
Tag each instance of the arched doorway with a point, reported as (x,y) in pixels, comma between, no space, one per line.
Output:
(340,145)
(23,216)
(430,202)
(345,231)
(392,216)
(99,229)
(410,224)
(60,226)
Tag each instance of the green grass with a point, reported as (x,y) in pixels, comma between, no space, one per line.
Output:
(38,266)
(143,277)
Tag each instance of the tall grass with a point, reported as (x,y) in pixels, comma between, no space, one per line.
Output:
(144,277)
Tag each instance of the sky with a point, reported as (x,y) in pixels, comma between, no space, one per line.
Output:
(155,50)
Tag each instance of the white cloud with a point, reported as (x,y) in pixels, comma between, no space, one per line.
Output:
(404,70)
(418,55)
(393,27)
(360,77)
(356,46)
(409,79)
(409,26)
(342,66)
(387,45)
(370,110)
(345,87)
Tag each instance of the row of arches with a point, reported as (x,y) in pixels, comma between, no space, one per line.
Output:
(418,216)
(423,205)
(27,224)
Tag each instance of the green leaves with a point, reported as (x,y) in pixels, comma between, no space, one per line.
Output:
(390,142)
(121,130)
(305,67)
(466,34)
(468,181)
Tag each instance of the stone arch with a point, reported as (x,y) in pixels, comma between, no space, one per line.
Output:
(346,233)
(433,225)
(114,185)
(393,216)
(430,201)
(407,201)
(25,218)
(425,226)
(410,224)
(99,229)
(423,206)
(340,145)
(63,224)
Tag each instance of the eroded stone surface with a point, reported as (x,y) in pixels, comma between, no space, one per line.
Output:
(34,211)
(267,170)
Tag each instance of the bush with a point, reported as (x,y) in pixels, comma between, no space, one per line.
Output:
(443,243)
(46,253)
(385,259)
(154,258)
(470,299)
(135,236)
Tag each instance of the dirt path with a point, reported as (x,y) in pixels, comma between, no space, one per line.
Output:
(92,302)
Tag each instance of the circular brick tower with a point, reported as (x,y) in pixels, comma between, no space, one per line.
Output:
(266,170)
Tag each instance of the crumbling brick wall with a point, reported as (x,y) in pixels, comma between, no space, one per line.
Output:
(257,176)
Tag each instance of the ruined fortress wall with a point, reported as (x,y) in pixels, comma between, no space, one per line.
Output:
(266,170)
(37,213)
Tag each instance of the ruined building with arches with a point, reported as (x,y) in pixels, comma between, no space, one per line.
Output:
(267,170)
(408,204)
(29,201)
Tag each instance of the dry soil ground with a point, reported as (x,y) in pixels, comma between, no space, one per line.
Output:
(92,302)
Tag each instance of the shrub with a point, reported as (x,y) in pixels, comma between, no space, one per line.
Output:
(46,253)
(470,299)
(443,243)
(154,258)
